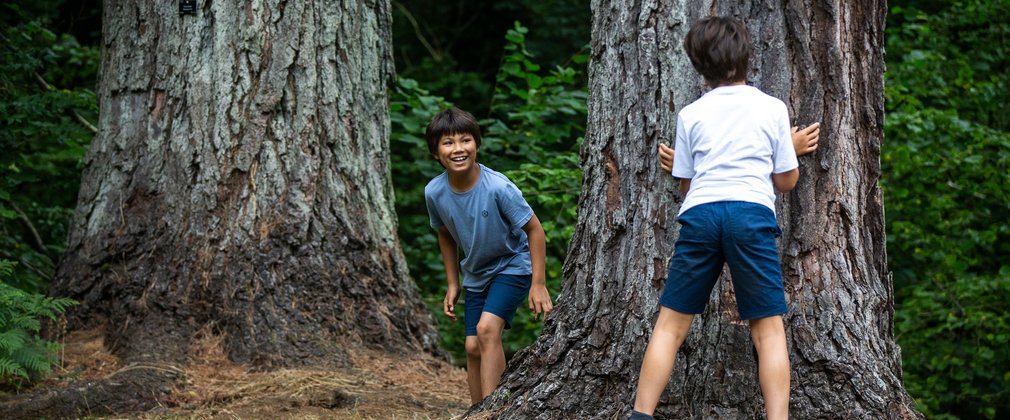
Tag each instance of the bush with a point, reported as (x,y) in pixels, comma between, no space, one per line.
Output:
(44,139)
(945,162)
(23,355)
(948,239)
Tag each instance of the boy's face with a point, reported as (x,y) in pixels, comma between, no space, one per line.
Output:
(457,152)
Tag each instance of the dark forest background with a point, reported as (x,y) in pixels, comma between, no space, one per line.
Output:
(520,67)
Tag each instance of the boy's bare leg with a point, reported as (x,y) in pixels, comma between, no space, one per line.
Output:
(769,337)
(492,355)
(473,368)
(661,354)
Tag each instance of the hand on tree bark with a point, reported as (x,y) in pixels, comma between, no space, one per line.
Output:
(666,157)
(540,301)
(805,140)
(449,303)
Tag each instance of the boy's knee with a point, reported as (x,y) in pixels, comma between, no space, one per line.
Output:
(767,330)
(673,323)
(473,348)
(488,331)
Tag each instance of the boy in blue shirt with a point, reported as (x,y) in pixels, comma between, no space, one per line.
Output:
(479,210)
(734,148)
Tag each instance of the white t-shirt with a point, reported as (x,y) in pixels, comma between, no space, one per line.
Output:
(729,142)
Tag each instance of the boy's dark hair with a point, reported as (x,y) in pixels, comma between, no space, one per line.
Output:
(719,49)
(451,121)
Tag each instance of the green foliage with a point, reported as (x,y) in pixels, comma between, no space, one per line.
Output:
(955,59)
(948,238)
(945,163)
(43,142)
(23,355)
(453,48)
(532,136)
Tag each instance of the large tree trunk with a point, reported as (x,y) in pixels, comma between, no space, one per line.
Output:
(241,181)
(824,59)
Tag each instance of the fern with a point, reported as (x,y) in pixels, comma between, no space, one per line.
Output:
(23,354)
(12,341)
(21,321)
(35,358)
(9,367)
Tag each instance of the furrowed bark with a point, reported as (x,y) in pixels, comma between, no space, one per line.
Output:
(241,180)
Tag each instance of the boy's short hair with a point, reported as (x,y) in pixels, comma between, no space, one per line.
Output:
(719,49)
(451,121)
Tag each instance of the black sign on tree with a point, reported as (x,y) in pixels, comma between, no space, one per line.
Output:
(187,7)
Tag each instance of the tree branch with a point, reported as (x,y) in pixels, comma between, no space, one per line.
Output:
(34,269)
(80,119)
(36,241)
(417,31)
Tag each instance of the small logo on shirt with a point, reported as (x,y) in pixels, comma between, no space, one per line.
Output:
(483,213)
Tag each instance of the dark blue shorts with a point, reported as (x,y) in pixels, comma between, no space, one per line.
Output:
(501,297)
(737,233)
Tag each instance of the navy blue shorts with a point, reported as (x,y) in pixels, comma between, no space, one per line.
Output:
(501,297)
(737,233)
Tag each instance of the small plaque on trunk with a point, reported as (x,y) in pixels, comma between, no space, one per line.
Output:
(187,7)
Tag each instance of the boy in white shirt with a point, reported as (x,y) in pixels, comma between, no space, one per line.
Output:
(734,148)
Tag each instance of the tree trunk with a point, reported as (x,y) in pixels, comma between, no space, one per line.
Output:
(825,60)
(240,185)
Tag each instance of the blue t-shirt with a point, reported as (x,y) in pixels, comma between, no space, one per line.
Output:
(486,222)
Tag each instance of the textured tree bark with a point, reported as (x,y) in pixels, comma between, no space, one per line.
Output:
(241,181)
(825,60)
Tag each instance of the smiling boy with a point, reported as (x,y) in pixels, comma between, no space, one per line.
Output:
(480,211)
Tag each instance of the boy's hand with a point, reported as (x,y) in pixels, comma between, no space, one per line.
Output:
(449,303)
(805,140)
(667,158)
(540,301)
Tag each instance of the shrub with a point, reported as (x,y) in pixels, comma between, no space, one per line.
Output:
(945,162)
(45,104)
(24,356)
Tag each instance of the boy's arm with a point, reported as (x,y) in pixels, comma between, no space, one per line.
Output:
(784,182)
(540,298)
(666,162)
(447,246)
(804,142)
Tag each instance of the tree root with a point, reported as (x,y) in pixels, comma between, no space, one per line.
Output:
(135,388)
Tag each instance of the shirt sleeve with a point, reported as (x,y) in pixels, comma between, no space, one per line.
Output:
(513,206)
(434,218)
(683,160)
(783,152)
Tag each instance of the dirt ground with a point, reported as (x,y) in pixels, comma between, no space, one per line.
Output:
(378,386)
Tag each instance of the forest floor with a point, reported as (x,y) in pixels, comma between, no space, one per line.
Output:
(377,386)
